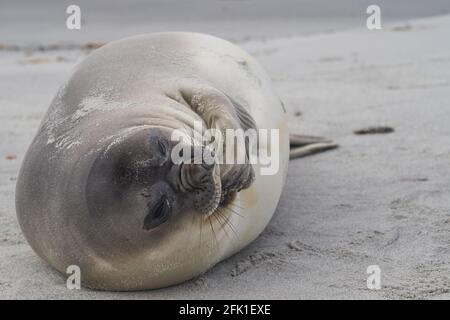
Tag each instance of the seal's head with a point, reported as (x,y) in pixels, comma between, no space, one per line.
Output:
(138,176)
(146,204)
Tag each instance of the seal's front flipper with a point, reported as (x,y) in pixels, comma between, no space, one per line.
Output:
(245,119)
(302,146)
(218,110)
(212,105)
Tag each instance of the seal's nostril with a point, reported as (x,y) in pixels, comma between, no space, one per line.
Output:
(208,166)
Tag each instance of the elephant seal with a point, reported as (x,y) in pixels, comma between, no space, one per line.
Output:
(98,189)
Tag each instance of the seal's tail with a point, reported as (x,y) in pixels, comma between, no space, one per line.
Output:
(302,146)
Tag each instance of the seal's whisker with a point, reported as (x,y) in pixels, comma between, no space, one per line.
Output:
(228,222)
(193,226)
(212,229)
(238,206)
(231,226)
(242,201)
(222,223)
(234,211)
(201,227)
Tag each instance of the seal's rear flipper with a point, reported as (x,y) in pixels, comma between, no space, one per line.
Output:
(298,140)
(302,146)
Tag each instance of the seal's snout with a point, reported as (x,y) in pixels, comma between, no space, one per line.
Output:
(204,181)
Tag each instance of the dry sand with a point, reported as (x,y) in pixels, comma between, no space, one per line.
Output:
(378,199)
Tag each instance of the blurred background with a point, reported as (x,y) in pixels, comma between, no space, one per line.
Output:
(43,22)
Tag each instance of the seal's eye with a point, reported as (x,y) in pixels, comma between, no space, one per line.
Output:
(162,147)
(158,214)
(159,151)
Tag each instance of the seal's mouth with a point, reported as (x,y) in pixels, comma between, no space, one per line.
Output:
(237,179)
(213,185)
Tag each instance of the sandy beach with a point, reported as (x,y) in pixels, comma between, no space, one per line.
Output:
(377,200)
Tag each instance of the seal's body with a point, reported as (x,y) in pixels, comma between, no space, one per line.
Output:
(97,188)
